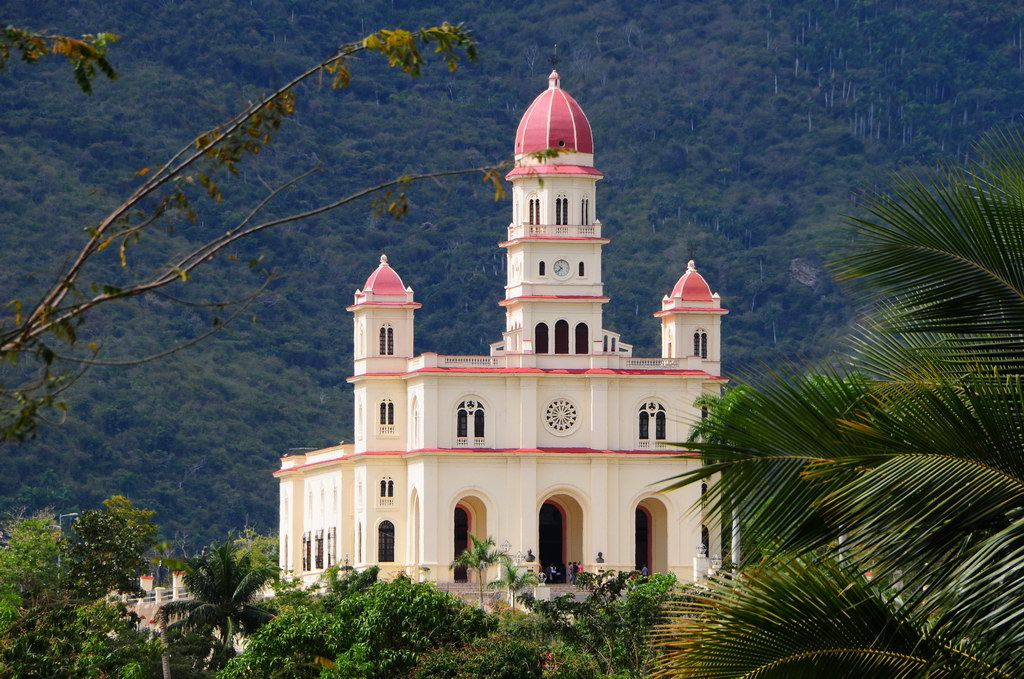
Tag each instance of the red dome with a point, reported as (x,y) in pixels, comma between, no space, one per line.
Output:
(384,280)
(554,119)
(691,286)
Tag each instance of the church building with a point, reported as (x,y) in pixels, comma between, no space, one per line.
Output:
(555,444)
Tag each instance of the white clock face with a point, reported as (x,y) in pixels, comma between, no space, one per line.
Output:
(560,268)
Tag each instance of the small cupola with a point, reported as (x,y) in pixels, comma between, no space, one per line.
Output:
(384,286)
(691,286)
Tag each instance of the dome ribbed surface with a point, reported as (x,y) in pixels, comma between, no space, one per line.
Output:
(554,119)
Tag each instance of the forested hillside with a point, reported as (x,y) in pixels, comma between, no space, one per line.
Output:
(736,133)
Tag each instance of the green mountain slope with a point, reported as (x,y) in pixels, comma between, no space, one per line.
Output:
(732,132)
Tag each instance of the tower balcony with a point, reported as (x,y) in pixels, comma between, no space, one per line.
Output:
(499,360)
(554,231)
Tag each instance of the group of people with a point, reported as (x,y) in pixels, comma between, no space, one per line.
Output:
(558,573)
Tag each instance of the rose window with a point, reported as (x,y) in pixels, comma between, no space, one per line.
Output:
(561,416)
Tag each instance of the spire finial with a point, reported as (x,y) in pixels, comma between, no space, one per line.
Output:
(690,266)
(384,260)
(554,79)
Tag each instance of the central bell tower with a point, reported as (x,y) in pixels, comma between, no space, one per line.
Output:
(554,292)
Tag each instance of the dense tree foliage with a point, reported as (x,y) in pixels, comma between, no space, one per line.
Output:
(611,621)
(108,550)
(380,631)
(729,131)
(52,620)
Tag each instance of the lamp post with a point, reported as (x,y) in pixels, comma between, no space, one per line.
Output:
(60,532)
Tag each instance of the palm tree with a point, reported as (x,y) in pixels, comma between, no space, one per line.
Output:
(513,579)
(480,556)
(885,498)
(223,588)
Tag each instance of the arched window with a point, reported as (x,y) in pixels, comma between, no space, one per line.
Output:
(332,545)
(391,488)
(561,210)
(605,345)
(540,269)
(383,488)
(534,209)
(387,412)
(386,541)
(359,422)
(416,437)
(700,344)
(582,338)
(582,269)
(469,410)
(562,337)
(387,340)
(651,411)
(387,487)
(585,211)
(540,339)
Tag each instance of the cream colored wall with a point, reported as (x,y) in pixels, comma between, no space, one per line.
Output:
(607,407)
(510,486)
(529,255)
(371,393)
(607,487)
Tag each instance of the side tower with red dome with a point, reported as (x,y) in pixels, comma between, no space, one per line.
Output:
(691,322)
(383,313)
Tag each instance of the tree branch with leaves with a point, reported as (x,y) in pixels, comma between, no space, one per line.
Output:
(40,336)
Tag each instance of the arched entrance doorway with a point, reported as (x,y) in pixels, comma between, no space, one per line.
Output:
(461,540)
(651,536)
(469,517)
(560,535)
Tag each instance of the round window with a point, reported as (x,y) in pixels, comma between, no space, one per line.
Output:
(561,417)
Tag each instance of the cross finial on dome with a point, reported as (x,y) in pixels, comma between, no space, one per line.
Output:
(384,260)
(554,80)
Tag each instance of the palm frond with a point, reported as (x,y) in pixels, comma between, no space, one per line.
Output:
(758,445)
(981,598)
(947,252)
(802,619)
